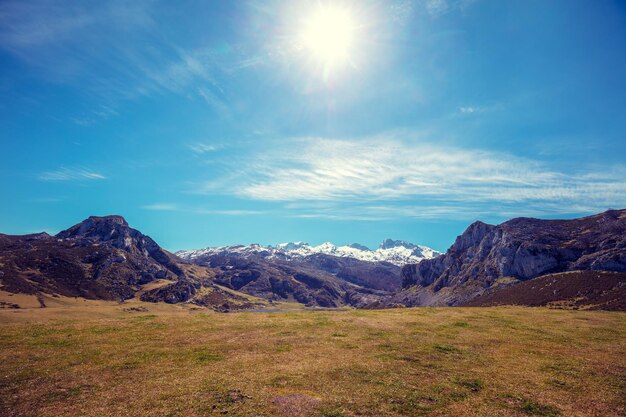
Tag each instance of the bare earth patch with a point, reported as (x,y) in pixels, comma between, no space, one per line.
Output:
(296,405)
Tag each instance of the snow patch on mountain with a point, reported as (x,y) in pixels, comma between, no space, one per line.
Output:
(396,252)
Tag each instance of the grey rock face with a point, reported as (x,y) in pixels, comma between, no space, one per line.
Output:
(180,291)
(390,243)
(521,248)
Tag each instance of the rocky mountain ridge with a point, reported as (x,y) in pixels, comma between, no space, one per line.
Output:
(520,249)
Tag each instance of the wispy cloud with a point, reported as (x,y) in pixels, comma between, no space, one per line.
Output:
(476,109)
(92,117)
(230,212)
(196,210)
(436,7)
(471,109)
(58,39)
(389,169)
(160,207)
(71,174)
(201,148)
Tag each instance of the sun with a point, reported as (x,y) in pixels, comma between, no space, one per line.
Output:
(328,35)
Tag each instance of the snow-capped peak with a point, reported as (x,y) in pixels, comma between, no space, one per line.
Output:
(397,252)
(359,246)
(290,245)
(390,244)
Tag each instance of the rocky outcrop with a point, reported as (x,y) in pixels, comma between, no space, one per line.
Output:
(178,292)
(114,231)
(521,248)
(381,276)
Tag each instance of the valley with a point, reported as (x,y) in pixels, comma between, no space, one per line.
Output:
(525,318)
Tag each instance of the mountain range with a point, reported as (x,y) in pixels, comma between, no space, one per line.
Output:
(580,263)
(326,275)
(396,252)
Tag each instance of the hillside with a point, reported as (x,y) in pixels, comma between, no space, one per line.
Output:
(103,258)
(589,290)
(318,280)
(521,248)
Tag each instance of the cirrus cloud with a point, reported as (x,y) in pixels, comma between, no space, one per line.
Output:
(387,169)
(71,174)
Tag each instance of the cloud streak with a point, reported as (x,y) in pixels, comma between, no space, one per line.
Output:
(388,170)
(436,8)
(58,39)
(202,211)
(71,174)
(160,207)
(202,148)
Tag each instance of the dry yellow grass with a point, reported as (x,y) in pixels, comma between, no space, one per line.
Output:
(98,359)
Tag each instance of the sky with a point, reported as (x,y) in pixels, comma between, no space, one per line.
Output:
(210,123)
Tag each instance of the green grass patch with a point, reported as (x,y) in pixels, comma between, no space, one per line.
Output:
(204,356)
(283,347)
(535,409)
(145,317)
(331,412)
(445,348)
(473,385)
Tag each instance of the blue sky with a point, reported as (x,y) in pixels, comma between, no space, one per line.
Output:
(212,123)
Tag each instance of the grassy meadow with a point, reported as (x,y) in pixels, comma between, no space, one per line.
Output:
(105,359)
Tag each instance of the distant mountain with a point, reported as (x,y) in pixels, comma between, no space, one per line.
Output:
(319,280)
(396,252)
(326,275)
(518,250)
(104,258)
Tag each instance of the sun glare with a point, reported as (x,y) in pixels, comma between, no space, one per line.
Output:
(328,35)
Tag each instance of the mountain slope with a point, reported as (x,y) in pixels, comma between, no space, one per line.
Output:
(521,248)
(103,258)
(592,290)
(318,280)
